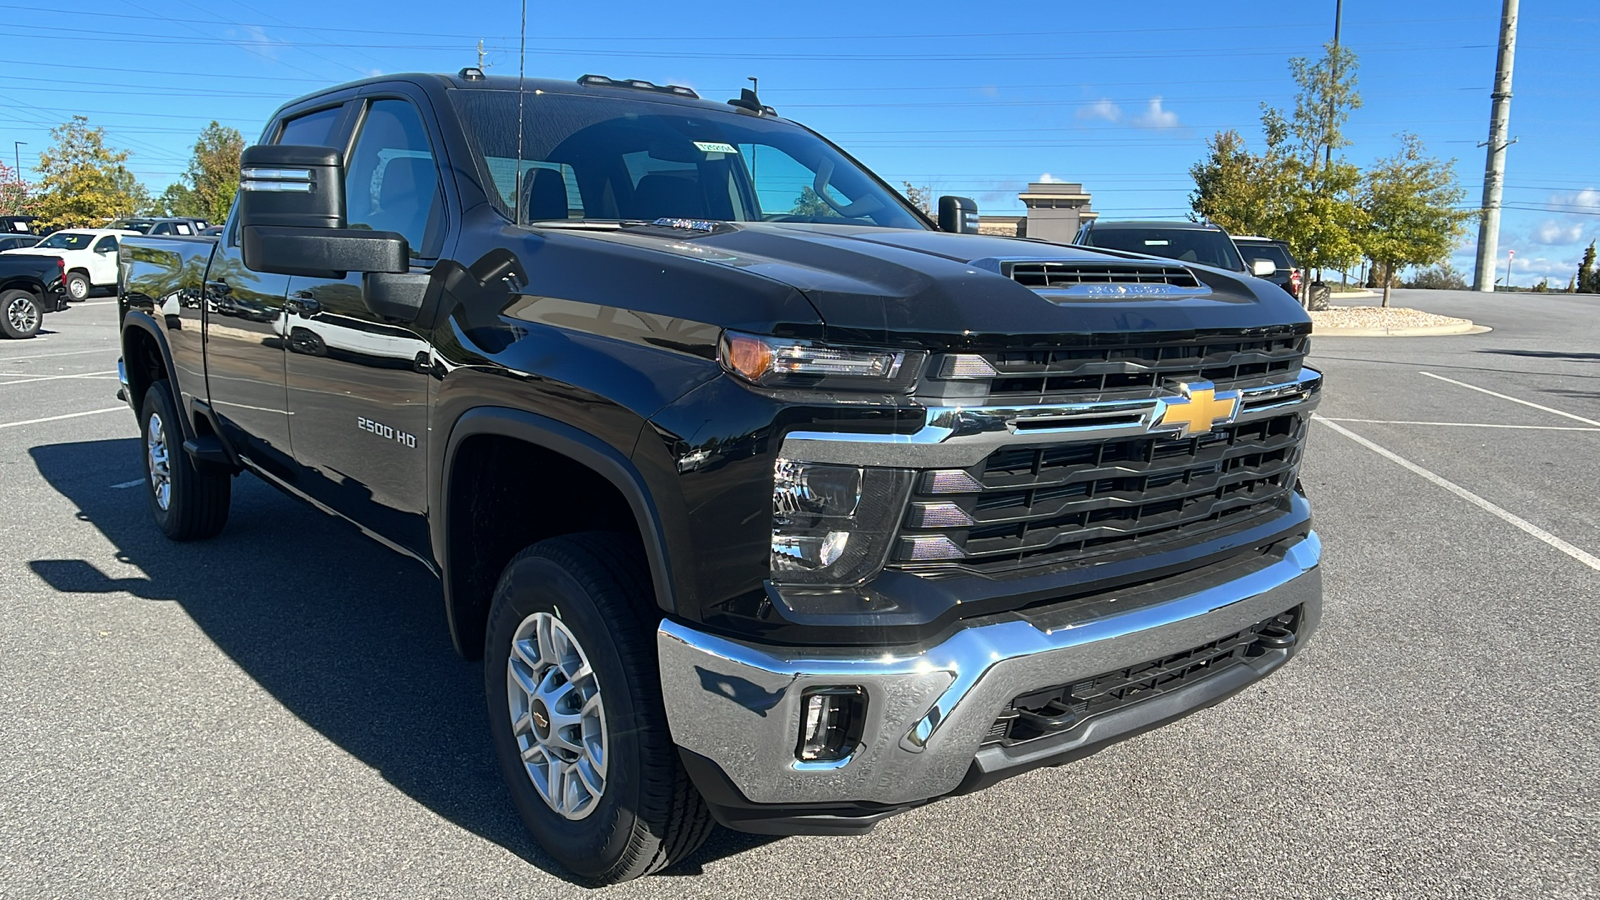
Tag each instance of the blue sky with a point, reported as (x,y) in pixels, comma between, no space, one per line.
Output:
(969,98)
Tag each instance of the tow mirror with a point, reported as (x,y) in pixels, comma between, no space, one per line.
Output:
(958,215)
(1263,268)
(292,217)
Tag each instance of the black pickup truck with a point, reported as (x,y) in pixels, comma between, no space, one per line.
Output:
(30,286)
(764,498)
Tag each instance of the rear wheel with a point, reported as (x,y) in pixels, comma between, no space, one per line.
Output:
(576,715)
(77,286)
(187,504)
(19,314)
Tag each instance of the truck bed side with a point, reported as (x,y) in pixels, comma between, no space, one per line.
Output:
(161,303)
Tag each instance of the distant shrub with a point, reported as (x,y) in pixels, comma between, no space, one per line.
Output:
(1438,278)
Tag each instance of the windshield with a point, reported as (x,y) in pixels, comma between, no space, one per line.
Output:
(142,226)
(1207,248)
(66,240)
(627,159)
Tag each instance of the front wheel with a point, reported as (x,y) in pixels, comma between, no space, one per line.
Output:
(78,286)
(19,314)
(187,504)
(575,711)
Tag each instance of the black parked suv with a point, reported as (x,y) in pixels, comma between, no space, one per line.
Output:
(1286,271)
(763,499)
(1200,243)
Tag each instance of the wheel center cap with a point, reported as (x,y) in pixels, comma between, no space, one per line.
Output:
(541,719)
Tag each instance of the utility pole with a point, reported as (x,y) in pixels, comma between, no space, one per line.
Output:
(1338,17)
(16,157)
(480,56)
(1494,169)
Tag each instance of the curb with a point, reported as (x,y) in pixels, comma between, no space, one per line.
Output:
(1424,331)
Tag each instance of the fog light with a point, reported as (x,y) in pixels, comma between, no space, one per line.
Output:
(830,723)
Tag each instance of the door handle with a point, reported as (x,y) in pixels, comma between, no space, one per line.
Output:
(304,303)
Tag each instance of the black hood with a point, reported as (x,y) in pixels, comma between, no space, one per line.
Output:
(938,289)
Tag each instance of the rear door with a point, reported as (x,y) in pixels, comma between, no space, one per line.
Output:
(358,384)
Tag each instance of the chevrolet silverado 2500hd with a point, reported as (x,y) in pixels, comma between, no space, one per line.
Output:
(765,499)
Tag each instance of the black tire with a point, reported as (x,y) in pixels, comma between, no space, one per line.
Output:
(78,286)
(197,502)
(649,816)
(20,314)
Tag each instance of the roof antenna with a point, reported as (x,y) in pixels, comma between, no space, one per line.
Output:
(522,64)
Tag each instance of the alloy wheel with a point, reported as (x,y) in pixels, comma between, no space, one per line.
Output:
(23,315)
(557,716)
(159,460)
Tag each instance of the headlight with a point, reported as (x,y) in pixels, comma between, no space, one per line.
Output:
(832,524)
(789,363)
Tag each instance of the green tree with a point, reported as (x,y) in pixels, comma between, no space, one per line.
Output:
(1290,191)
(1323,217)
(17,197)
(1586,273)
(177,200)
(810,204)
(1409,201)
(920,197)
(82,181)
(213,174)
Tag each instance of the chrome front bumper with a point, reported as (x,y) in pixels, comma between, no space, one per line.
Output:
(930,709)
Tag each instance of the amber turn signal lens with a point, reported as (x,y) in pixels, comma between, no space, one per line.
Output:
(748,357)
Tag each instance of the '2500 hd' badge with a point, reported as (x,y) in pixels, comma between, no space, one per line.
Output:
(385,431)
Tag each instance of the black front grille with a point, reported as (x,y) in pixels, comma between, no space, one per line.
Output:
(1072,502)
(1066,374)
(1065,707)
(1045,275)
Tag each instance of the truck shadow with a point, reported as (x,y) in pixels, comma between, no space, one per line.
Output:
(347,635)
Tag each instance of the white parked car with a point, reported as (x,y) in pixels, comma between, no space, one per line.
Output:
(90,255)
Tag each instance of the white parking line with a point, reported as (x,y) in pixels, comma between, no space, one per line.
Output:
(1587,559)
(1547,409)
(1463,424)
(27,379)
(108,350)
(92,412)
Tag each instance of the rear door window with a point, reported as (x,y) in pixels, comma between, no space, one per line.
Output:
(312,129)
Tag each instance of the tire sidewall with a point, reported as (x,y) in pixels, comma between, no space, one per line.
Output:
(6,301)
(590,846)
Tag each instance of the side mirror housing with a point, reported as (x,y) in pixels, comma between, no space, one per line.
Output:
(1263,268)
(958,215)
(292,217)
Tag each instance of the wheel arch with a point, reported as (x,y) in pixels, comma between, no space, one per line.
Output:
(464,611)
(146,356)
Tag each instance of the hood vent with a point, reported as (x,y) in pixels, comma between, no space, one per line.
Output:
(1104,279)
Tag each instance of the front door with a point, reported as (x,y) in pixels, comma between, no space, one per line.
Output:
(245,333)
(358,384)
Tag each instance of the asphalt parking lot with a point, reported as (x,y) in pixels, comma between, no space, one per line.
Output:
(278,712)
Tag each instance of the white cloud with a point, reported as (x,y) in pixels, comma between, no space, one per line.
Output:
(1047,178)
(1555,234)
(1100,109)
(1155,116)
(1589,198)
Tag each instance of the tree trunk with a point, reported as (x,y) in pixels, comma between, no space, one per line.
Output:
(1388,279)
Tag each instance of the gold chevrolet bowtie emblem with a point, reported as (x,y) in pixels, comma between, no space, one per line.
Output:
(1198,409)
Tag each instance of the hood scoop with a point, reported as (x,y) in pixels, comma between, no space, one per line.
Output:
(1109,279)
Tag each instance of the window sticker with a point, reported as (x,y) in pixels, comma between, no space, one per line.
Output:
(715,147)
